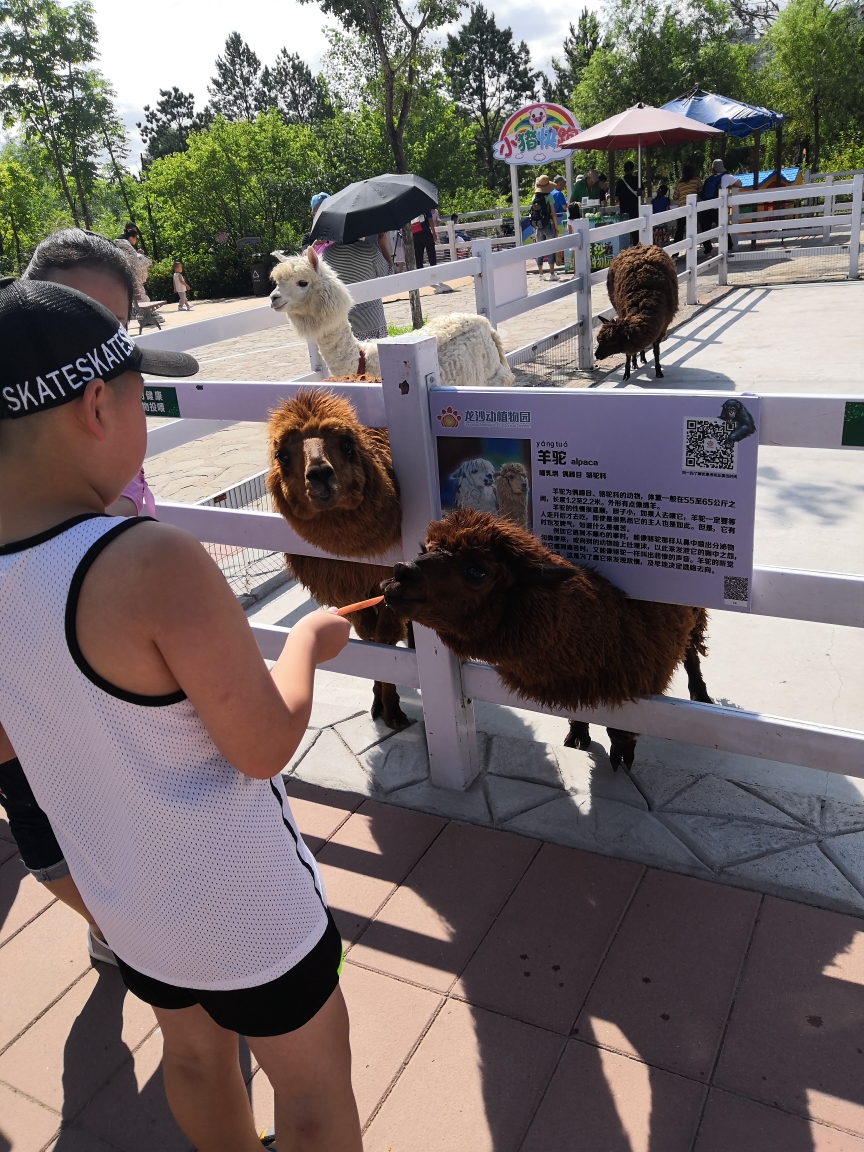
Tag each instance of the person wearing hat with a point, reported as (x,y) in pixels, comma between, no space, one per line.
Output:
(315,203)
(544,220)
(153,737)
(718,179)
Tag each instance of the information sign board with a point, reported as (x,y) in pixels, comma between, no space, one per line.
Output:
(657,491)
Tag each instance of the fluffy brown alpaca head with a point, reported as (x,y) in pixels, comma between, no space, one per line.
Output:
(332,478)
(513,478)
(614,336)
(473,571)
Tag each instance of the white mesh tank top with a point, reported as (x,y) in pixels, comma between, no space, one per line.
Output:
(196,873)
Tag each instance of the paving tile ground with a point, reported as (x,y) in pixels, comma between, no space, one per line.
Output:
(505,996)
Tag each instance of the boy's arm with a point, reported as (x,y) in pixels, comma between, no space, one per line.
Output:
(155,613)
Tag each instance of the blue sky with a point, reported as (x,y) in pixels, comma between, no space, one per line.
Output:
(133,40)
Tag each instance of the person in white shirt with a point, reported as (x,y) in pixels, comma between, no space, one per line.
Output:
(181,288)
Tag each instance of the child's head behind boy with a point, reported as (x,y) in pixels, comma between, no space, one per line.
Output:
(70,368)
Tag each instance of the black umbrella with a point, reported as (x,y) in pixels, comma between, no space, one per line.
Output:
(372,206)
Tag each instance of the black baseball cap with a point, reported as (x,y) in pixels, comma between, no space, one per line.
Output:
(54,340)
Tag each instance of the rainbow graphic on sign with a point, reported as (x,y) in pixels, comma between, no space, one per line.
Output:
(535,134)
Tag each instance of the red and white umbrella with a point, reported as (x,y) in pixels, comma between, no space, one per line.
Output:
(641,127)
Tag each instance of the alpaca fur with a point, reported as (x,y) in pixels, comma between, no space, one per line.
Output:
(332,479)
(475,486)
(512,486)
(470,352)
(643,287)
(561,635)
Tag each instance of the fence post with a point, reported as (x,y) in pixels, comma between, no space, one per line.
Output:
(484,283)
(316,364)
(646,235)
(584,308)
(723,238)
(451,239)
(855,225)
(692,253)
(409,367)
(828,207)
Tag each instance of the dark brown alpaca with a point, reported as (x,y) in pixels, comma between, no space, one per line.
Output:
(333,481)
(643,287)
(558,634)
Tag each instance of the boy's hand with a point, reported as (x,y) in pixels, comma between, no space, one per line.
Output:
(330,633)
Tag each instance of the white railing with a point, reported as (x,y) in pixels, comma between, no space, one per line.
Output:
(409,370)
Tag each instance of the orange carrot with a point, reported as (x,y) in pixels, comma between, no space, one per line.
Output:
(349,608)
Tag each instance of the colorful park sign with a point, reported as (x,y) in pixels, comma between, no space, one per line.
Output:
(535,134)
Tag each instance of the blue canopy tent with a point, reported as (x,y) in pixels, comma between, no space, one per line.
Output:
(732,117)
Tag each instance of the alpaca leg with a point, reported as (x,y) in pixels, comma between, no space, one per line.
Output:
(579,736)
(658,371)
(626,367)
(695,683)
(391,711)
(644,357)
(622,748)
(388,630)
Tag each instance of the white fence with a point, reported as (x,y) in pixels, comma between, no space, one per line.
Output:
(447,686)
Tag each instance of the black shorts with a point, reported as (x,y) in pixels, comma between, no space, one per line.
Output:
(29,825)
(282,1005)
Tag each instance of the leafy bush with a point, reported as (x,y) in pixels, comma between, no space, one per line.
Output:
(212,275)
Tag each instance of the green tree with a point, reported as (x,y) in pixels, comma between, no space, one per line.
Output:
(580,44)
(52,90)
(290,86)
(18,194)
(235,90)
(814,72)
(167,126)
(488,75)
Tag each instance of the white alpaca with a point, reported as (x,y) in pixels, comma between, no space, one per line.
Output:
(475,486)
(470,353)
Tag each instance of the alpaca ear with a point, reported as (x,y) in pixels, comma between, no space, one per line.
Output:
(312,257)
(545,574)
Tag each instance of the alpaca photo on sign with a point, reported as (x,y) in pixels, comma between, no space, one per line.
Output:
(486,474)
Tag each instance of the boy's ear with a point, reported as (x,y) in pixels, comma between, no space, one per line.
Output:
(545,574)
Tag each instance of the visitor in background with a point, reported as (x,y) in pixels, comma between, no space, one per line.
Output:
(422,229)
(602,187)
(586,187)
(627,193)
(180,287)
(559,198)
(128,244)
(353,263)
(574,212)
(315,203)
(661,202)
(688,185)
(717,180)
(397,249)
(544,220)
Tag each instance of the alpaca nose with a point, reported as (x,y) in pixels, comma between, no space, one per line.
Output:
(406,573)
(320,474)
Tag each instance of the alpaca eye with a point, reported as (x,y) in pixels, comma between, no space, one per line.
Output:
(474,573)
(302,283)
(346,447)
(283,457)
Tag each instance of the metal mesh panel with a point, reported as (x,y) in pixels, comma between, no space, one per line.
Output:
(788,265)
(249,571)
(548,363)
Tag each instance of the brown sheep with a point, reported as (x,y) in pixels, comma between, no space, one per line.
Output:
(333,481)
(643,287)
(558,634)
(511,484)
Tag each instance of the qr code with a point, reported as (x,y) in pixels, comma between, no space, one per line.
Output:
(706,445)
(736,590)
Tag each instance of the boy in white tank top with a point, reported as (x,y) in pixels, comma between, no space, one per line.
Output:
(153,737)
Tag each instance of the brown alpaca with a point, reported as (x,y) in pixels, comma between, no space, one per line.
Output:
(558,634)
(643,287)
(333,481)
(511,484)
